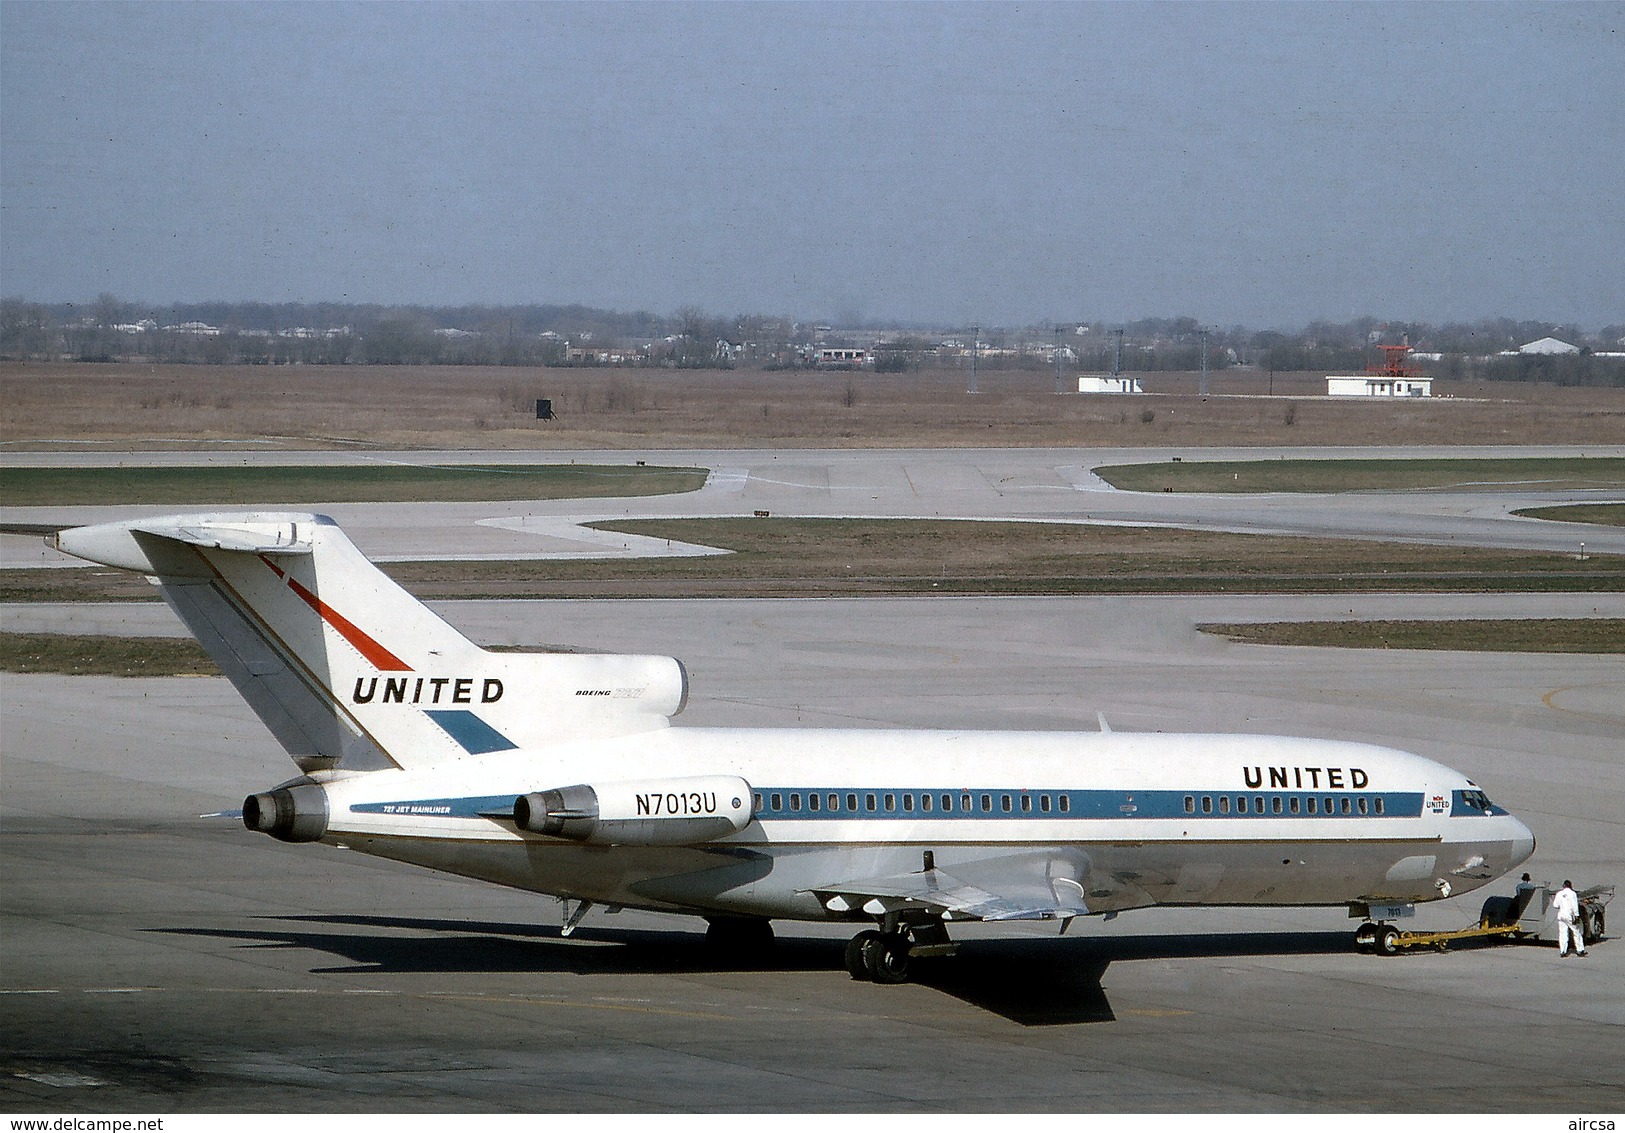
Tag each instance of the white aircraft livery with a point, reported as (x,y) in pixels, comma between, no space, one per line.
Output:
(561,774)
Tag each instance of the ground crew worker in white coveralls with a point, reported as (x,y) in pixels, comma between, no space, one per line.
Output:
(1567,906)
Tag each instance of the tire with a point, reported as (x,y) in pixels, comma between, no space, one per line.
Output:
(886,958)
(1388,940)
(856,965)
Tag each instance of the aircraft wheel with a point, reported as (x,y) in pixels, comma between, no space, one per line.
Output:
(886,958)
(856,963)
(1388,940)
(1365,937)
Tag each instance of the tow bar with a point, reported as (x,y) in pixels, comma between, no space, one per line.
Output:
(1527,915)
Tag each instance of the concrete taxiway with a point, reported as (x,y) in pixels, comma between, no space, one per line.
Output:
(156,961)
(1055,485)
(151,960)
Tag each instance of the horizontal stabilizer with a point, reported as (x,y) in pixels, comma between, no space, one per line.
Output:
(261,539)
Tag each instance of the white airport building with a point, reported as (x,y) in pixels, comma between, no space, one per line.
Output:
(1109,383)
(1546,346)
(1377,385)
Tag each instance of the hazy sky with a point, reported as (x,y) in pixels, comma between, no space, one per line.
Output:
(1006,163)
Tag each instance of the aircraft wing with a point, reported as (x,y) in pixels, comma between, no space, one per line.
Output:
(1033,889)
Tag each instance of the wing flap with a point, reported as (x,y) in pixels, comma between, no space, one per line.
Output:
(1015,891)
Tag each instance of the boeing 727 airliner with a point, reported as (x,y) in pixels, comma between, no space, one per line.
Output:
(561,774)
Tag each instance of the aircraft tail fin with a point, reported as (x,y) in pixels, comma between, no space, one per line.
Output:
(350,671)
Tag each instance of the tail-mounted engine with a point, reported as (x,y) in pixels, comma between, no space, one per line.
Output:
(647,812)
(294,813)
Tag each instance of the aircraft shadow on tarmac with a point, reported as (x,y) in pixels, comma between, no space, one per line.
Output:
(1032,982)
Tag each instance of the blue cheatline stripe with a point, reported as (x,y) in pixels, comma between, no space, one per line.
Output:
(1080,805)
(475,807)
(475,735)
(891,802)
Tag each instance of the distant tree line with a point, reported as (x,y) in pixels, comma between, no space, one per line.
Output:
(111,329)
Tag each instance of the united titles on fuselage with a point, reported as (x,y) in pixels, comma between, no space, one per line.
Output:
(1299,778)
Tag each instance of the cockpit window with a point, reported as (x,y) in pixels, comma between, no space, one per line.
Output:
(1475,799)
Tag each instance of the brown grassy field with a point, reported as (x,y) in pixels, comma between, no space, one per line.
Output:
(1505,635)
(116,406)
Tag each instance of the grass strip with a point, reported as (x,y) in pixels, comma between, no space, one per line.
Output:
(86,656)
(98,656)
(1492,635)
(368,483)
(1611,515)
(828,557)
(1365,475)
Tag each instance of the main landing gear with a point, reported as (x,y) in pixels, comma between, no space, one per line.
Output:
(885,955)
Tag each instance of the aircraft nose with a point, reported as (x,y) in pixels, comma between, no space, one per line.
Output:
(1523,843)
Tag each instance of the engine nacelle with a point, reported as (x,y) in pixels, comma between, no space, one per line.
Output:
(642,812)
(295,813)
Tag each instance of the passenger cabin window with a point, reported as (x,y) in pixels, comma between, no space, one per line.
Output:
(1379,804)
(1066,804)
(1241,805)
(908,802)
(1207,804)
(758,800)
(1275,804)
(987,804)
(869,803)
(1026,804)
(925,802)
(852,802)
(1190,804)
(1361,804)
(947,804)
(834,801)
(795,800)
(1004,803)
(891,802)
(1343,804)
(1292,804)
(1224,804)
(1328,805)
(1311,804)
(1258,804)
(1043,803)
(812,802)
(778,801)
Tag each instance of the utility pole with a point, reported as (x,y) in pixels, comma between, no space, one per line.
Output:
(1058,388)
(975,348)
(1204,361)
(1117,358)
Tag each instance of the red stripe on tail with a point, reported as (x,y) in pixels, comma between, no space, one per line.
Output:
(377,656)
